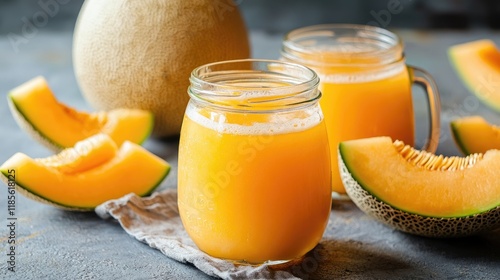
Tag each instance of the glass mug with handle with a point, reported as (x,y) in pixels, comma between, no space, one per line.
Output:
(254,181)
(365,82)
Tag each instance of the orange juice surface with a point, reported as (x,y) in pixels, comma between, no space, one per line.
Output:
(253,191)
(366,105)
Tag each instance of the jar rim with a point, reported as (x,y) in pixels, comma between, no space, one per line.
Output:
(392,50)
(254,84)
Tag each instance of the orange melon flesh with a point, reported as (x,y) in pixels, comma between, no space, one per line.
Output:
(86,155)
(131,169)
(35,106)
(475,135)
(478,64)
(382,171)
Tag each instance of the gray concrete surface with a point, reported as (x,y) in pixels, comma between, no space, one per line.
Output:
(282,15)
(54,244)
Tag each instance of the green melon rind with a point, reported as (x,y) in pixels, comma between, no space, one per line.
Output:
(471,87)
(414,223)
(150,128)
(29,127)
(39,136)
(40,198)
(31,195)
(455,132)
(364,186)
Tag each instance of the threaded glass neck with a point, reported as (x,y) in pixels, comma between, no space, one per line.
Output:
(254,85)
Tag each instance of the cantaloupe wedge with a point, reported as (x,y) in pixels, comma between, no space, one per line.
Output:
(475,135)
(419,192)
(58,126)
(478,65)
(83,177)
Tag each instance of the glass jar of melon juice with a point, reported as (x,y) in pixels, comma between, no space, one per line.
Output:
(365,82)
(254,181)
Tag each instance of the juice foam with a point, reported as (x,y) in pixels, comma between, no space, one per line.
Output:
(275,124)
(360,76)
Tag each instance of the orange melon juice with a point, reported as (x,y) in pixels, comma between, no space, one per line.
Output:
(254,187)
(365,82)
(360,105)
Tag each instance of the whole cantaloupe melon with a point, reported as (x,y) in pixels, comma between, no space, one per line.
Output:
(139,54)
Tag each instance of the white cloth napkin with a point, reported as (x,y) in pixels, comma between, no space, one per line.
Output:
(155,221)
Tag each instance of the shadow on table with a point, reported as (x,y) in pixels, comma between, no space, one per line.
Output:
(65,216)
(356,246)
(409,257)
(166,148)
(483,247)
(333,259)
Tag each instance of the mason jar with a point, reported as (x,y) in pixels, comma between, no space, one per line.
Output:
(254,171)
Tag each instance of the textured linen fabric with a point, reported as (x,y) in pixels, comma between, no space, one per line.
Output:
(155,221)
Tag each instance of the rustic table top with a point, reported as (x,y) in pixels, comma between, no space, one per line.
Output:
(56,244)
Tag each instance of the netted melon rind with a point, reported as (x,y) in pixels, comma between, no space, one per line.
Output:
(414,223)
(25,125)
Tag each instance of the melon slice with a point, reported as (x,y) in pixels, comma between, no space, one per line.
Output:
(58,126)
(83,177)
(419,192)
(475,135)
(478,65)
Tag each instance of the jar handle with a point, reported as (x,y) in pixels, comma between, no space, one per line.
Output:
(424,79)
